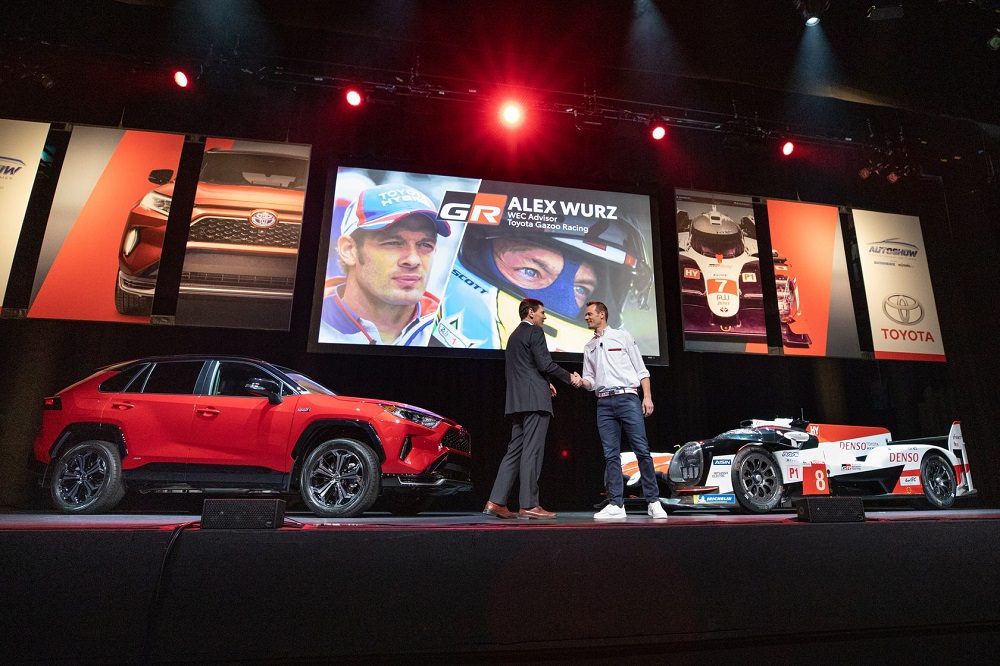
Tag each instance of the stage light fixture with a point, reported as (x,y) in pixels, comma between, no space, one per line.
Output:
(181,78)
(511,114)
(657,130)
(353,96)
(812,10)
(787,148)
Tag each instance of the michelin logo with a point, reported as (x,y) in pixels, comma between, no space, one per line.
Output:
(720,498)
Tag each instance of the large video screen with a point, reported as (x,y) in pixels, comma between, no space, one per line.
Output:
(107,214)
(429,261)
(721,291)
(243,243)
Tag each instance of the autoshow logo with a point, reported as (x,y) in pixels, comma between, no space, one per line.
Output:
(9,166)
(472,207)
(263,219)
(903,309)
(893,247)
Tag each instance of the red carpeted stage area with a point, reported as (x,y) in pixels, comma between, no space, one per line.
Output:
(458,587)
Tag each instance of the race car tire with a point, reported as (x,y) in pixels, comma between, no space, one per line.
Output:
(87,478)
(340,478)
(399,504)
(757,480)
(938,480)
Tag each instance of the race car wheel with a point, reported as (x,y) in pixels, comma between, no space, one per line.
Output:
(938,479)
(131,304)
(87,478)
(399,504)
(757,480)
(340,478)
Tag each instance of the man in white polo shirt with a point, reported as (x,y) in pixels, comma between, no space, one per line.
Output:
(613,368)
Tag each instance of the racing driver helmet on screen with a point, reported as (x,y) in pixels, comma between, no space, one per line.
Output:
(583,260)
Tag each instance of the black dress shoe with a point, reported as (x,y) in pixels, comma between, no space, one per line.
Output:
(498,510)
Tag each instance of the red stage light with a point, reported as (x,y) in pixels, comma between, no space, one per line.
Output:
(564,454)
(511,114)
(658,132)
(787,148)
(353,96)
(181,79)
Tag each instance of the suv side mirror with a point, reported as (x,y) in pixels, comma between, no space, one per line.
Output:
(161,176)
(265,388)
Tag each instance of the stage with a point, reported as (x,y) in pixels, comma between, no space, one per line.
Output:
(463,587)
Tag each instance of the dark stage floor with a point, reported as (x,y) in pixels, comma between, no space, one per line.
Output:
(461,587)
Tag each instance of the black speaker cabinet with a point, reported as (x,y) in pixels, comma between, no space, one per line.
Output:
(830,509)
(242,514)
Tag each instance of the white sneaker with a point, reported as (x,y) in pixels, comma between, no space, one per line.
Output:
(655,510)
(611,512)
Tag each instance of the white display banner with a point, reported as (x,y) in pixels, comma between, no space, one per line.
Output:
(901,305)
(21,145)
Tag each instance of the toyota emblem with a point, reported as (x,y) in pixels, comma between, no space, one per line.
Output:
(263,219)
(903,309)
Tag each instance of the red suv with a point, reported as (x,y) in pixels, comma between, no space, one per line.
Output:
(232,424)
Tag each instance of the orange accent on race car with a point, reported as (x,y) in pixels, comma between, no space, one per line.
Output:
(696,490)
(826,432)
(814,478)
(912,488)
(661,463)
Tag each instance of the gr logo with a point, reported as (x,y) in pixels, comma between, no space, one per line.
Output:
(472,207)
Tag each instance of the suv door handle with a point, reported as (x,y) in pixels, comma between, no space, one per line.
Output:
(206,411)
(122,405)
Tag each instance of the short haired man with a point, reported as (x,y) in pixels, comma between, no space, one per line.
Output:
(386,247)
(529,401)
(613,368)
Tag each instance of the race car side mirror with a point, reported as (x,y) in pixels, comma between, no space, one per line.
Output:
(265,388)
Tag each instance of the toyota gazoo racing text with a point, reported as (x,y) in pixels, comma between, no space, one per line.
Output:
(232,424)
(244,234)
(721,280)
(763,465)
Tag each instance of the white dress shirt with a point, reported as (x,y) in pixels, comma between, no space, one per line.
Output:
(611,360)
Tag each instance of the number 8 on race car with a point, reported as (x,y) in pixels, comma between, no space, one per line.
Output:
(814,479)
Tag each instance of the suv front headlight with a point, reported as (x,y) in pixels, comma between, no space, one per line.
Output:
(413,415)
(687,464)
(156,201)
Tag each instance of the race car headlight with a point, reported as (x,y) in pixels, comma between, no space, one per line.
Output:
(687,464)
(419,418)
(156,201)
(131,240)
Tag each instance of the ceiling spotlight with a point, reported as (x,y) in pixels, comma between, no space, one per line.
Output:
(657,129)
(812,10)
(511,114)
(787,148)
(353,96)
(181,78)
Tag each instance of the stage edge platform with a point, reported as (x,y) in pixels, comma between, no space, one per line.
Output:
(464,588)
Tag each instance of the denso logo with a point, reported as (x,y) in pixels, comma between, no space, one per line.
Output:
(9,166)
(858,446)
(893,247)
(903,457)
(903,309)
(472,207)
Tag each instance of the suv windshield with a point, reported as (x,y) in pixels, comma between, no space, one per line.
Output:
(304,382)
(281,171)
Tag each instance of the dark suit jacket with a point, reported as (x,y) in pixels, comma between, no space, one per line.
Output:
(528,367)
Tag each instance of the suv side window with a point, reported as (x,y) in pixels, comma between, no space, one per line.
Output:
(173,377)
(120,382)
(232,377)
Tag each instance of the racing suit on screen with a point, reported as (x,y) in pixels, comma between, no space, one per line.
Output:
(340,323)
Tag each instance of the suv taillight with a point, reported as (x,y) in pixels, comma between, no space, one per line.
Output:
(54,402)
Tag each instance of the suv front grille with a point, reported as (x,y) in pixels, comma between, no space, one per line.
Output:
(457,439)
(234,280)
(237,231)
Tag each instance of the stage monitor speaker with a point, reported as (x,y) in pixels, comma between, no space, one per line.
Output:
(242,514)
(830,509)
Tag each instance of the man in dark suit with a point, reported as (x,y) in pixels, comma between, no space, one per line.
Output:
(529,402)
